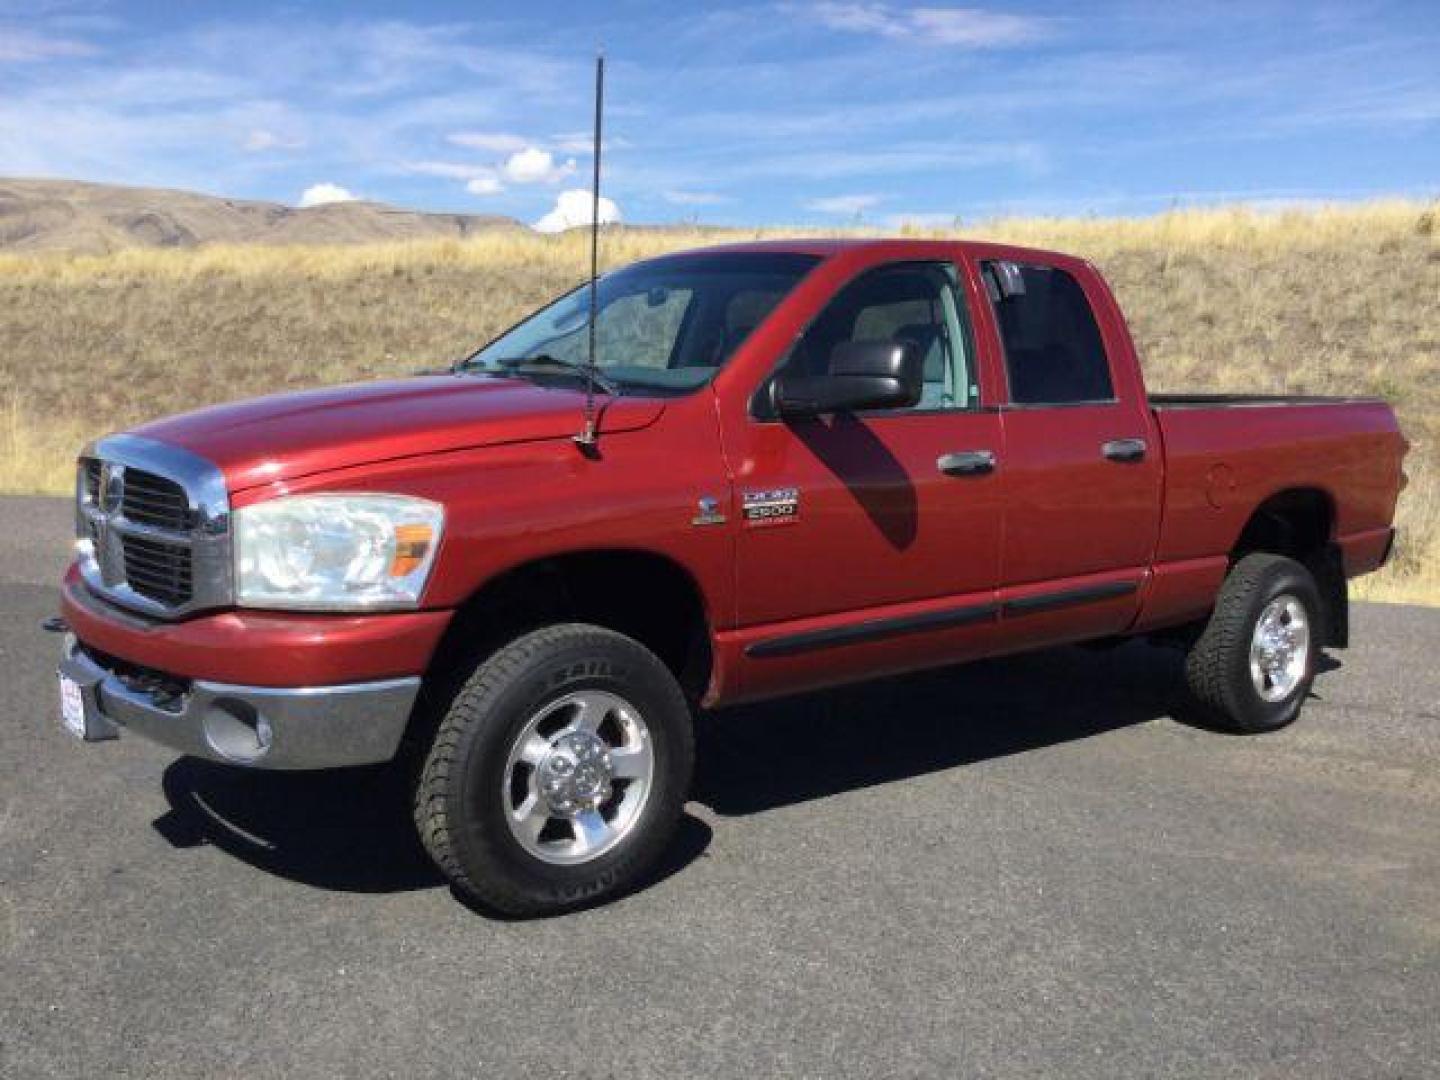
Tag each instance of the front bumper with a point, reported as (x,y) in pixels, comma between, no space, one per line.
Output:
(261,726)
(259,648)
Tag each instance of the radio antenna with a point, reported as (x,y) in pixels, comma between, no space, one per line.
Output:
(588,434)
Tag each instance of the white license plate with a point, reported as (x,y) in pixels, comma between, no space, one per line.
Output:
(72,707)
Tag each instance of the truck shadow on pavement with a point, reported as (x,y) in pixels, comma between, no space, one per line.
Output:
(349,830)
(759,757)
(346,830)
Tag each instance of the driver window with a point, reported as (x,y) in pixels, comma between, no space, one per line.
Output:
(915,302)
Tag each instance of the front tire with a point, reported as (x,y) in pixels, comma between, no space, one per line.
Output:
(1253,666)
(558,773)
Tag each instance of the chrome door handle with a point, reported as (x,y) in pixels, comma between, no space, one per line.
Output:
(1124,449)
(967,462)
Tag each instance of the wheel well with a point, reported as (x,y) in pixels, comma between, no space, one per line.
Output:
(1300,524)
(642,595)
(1297,523)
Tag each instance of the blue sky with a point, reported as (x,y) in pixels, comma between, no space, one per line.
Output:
(772,112)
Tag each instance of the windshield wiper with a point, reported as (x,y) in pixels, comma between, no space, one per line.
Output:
(545,360)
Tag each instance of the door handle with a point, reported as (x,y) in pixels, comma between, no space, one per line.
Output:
(1124,449)
(967,462)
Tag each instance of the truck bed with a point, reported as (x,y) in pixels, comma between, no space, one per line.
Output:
(1227,454)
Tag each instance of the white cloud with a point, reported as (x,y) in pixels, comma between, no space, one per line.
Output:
(582,142)
(24,46)
(856,18)
(976,29)
(446,170)
(484,184)
(261,139)
(493,142)
(320,194)
(535,166)
(847,205)
(695,198)
(479,179)
(526,163)
(971,28)
(572,209)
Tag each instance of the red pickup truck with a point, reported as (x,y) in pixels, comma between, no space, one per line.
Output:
(814,462)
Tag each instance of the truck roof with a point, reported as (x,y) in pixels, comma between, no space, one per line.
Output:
(899,246)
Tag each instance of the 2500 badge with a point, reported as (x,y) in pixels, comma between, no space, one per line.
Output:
(775,507)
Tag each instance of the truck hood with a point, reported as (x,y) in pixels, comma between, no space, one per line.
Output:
(286,436)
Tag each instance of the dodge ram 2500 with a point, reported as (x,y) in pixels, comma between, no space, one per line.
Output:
(814,462)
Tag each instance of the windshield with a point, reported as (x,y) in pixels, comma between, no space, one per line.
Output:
(665,325)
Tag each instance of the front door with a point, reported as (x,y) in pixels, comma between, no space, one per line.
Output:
(878,533)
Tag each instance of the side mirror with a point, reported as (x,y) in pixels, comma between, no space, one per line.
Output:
(863,375)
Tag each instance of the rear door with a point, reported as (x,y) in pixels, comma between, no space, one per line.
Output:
(1083,471)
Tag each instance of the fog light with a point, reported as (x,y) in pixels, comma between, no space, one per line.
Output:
(236,731)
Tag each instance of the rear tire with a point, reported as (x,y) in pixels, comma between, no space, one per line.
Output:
(558,773)
(1253,666)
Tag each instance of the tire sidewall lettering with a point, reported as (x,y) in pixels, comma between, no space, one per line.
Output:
(591,668)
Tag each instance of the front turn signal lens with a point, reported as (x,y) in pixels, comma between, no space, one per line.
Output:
(412,548)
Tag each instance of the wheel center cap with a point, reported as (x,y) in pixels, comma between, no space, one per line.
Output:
(1277,648)
(575,775)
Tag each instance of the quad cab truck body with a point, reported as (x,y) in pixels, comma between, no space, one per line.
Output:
(817,462)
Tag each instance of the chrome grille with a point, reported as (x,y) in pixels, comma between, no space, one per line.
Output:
(158,569)
(90,478)
(154,500)
(153,522)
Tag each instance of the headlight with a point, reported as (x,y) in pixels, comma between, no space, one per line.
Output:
(335,552)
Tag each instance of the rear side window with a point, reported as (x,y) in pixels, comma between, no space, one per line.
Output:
(1053,351)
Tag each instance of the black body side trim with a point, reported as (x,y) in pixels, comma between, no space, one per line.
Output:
(870,630)
(1240,401)
(1085,594)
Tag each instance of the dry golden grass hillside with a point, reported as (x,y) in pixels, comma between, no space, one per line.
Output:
(1333,300)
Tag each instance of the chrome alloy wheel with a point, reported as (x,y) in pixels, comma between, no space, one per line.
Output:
(577,777)
(1280,648)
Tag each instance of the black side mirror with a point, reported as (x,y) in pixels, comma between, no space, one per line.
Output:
(863,375)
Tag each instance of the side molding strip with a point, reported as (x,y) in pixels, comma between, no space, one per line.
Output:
(870,630)
(1028,605)
(874,629)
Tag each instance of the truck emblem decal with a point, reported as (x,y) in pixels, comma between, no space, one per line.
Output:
(777,506)
(708,511)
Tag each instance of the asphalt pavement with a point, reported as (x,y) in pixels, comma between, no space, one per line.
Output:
(1020,868)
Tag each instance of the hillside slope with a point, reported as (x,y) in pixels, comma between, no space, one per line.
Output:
(1337,300)
(70,216)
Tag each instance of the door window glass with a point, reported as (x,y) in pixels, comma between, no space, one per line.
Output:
(914,302)
(1054,354)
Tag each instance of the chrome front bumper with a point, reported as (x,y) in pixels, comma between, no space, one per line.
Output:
(263,727)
